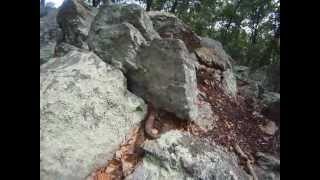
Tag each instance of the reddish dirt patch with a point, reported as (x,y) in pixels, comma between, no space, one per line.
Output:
(237,120)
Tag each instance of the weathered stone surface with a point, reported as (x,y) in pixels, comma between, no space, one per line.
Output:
(270,97)
(229,83)
(272,111)
(166,76)
(85,113)
(241,72)
(211,58)
(116,44)
(169,26)
(177,156)
(62,49)
(75,18)
(270,128)
(268,167)
(121,13)
(206,118)
(222,68)
(217,46)
(273,78)
(50,33)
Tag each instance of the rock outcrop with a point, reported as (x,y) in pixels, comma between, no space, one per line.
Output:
(177,155)
(130,13)
(74,18)
(268,167)
(86,111)
(166,77)
(212,55)
(118,32)
(169,26)
(117,44)
(50,33)
(159,70)
(107,63)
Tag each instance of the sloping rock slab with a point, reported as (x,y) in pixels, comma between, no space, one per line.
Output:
(50,33)
(130,13)
(117,44)
(169,26)
(85,113)
(75,18)
(166,77)
(178,156)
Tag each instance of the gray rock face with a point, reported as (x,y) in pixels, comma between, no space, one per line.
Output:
(217,46)
(178,156)
(50,33)
(132,13)
(246,85)
(271,100)
(166,77)
(272,111)
(268,167)
(74,18)
(169,26)
(85,113)
(116,44)
(273,78)
(62,49)
(229,83)
(211,57)
(270,97)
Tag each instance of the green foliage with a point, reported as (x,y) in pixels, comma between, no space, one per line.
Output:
(248,29)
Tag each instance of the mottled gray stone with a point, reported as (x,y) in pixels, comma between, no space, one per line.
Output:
(75,18)
(267,167)
(50,33)
(217,46)
(86,112)
(130,13)
(166,76)
(116,44)
(169,26)
(178,155)
(229,83)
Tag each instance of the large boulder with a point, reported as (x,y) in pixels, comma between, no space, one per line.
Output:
(121,13)
(215,58)
(218,48)
(50,33)
(166,76)
(177,156)
(210,58)
(75,18)
(169,26)
(229,83)
(86,111)
(267,167)
(272,106)
(268,77)
(117,44)
(62,49)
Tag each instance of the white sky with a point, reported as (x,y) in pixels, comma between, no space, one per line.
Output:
(56,3)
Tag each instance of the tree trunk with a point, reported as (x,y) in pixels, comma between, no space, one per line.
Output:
(95,3)
(174,7)
(237,5)
(43,3)
(149,4)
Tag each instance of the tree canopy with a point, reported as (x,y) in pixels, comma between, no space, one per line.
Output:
(248,29)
